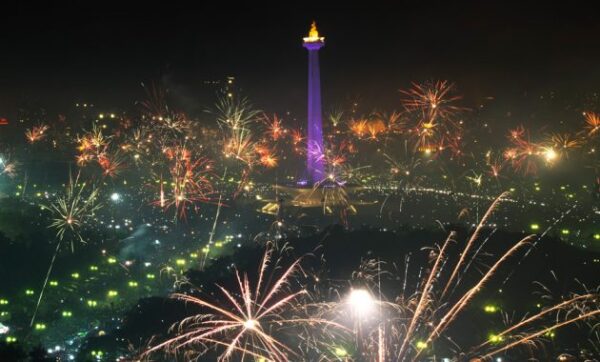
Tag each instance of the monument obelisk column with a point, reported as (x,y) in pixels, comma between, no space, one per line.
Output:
(314,161)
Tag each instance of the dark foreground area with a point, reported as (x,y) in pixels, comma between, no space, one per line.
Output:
(537,277)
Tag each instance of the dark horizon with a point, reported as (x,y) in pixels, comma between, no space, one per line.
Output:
(58,55)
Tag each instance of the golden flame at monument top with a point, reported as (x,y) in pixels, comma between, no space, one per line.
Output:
(313,34)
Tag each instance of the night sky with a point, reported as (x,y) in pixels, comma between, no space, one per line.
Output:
(56,55)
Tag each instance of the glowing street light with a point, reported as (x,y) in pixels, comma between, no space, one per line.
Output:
(115,197)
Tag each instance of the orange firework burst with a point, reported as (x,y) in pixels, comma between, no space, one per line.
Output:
(433,100)
(111,165)
(375,127)
(560,143)
(358,128)
(393,121)
(266,156)
(93,142)
(522,153)
(297,137)
(268,160)
(367,128)
(275,130)
(432,105)
(517,134)
(247,323)
(190,182)
(36,133)
(592,123)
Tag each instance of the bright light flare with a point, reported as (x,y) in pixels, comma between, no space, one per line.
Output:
(361,302)
(550,155)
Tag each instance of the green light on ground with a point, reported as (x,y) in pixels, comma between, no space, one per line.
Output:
(494,338)
(534,226)
(67,314)
(491,308)
(421,345)
(341,352)
(112,293)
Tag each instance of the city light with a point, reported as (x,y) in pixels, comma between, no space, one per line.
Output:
(490,309)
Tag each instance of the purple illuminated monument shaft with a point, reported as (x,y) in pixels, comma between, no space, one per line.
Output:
(314,159)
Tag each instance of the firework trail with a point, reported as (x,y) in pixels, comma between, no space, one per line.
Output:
(69,213)
(424,300)
(472,239)
(532,336)
(536,317)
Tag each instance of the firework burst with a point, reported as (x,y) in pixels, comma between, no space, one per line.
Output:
(36,133)
(8,167)
(247,323)
(432,107)
(190,182)
(522,154)
(592,123)
(73,209)
(69,213)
